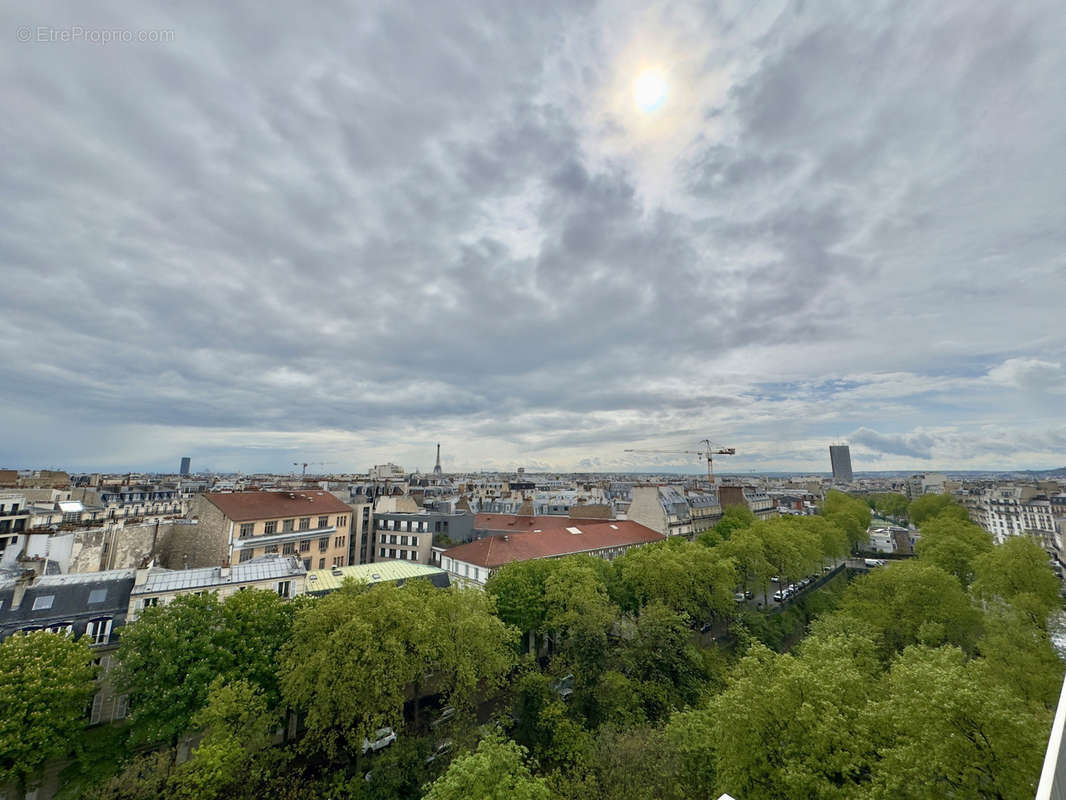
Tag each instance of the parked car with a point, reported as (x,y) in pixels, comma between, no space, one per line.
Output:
(740,597)
(775,579)
(874,562)
(564,687)
(442,749)
(705,627)
(383,737)
(780,595)
(749,594)
(446,714)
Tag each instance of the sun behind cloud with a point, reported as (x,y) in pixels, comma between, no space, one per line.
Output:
(649,91)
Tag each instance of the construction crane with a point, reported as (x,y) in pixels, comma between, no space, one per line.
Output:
(708,451)
(305,464)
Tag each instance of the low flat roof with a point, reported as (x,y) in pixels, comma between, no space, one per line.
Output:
(323,580)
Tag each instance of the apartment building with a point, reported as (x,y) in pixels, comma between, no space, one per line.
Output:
(475,562)
(705,510)
(156,586)
(91,606)
(236,527)
(662,508)
(757,501)
(1011,510)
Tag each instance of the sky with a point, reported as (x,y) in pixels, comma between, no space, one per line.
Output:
(340,233)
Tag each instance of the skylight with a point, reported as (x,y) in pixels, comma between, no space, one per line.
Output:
(97,596)
(44,601)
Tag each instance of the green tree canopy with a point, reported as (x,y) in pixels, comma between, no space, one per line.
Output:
(953,544)
(932,505)
(687,577)
(497,770)
(169,657)
(519,591)
(1017,572)
(734,518)
(46,680)
(890,504)
(354,653)
(906,603)
(942,730)
(237,724)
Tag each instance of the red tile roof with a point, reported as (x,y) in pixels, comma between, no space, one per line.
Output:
(507,523)
(495,551)
(241,506)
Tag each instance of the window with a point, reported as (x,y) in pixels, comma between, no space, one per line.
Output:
(305,523)
(382,552)
(288,548)
(307,563)
(342,522)
(270,548)
(305,545)
(392,539)
(43,601)
(122,706)
(287,525)
(98,631)
(403,540)
(338,541)
(384,539)
(270,527)
(246,555)
(323,544)
(97,596)
(338,561)
(321,563)
(283,588)
(97,711)
(323,522)
(247,529)
(436,526)
(151,601)
(414,541)
(61,627)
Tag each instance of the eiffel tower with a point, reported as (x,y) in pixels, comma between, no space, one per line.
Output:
(436,469)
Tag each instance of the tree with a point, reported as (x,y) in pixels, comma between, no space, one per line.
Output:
(889,504)
(953,545)
(941,730)
(840,505)
(353,655)
(237,724)
(907,603)
(46,680)
(734,518)
(932,505)
(580,613)
(169,657)
(687,577)
(789,726)
(497,770)
(661,651)
(519,591)
(1017,572)
(1019,655)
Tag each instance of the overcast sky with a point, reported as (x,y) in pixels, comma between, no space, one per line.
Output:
(342,233)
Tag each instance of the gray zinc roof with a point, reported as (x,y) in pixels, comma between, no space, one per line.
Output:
(258,569)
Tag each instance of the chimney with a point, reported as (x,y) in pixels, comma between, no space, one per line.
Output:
(22,583)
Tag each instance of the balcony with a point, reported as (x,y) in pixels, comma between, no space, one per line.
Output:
(281,538)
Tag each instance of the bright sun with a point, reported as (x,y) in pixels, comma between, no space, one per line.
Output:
(650,90)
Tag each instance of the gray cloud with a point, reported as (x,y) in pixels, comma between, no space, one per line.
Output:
(364,226)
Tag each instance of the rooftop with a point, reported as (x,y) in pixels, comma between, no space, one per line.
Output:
(513,522)
(242,506)
(264,568)
(576,537)
(324,580)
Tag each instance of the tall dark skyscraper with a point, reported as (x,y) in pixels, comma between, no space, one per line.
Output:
(840,458)
(184,466)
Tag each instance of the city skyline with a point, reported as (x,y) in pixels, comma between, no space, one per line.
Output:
(391,227)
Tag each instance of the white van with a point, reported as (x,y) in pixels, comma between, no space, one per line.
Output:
(874,562)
